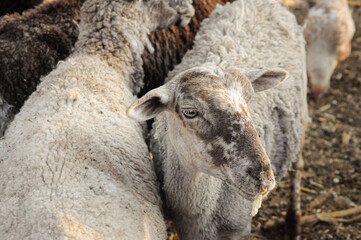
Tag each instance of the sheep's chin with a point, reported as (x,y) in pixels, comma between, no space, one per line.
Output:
(247,195)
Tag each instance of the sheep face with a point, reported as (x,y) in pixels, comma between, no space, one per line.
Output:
(210,126)
(320,67)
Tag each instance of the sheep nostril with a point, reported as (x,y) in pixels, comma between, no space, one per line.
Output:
(261,184)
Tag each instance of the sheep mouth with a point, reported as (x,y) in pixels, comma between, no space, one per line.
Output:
(245,192)
(252,196)
(247,195)
(242,192)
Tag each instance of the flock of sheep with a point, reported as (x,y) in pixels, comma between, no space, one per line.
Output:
(229,118)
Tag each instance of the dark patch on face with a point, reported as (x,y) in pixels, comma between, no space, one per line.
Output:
(247,144)
(226,124)
(227,137)
(217,154)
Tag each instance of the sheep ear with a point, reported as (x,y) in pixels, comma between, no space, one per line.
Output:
(151,104)
(263,79)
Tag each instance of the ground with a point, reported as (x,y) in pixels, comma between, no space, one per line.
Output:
(332,155)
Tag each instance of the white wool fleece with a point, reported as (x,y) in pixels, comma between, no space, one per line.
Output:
(76,166)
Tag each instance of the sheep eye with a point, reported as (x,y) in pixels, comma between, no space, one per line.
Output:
(190,113)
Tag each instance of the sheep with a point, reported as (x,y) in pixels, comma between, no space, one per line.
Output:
(73,165)
(222,112)
(11,6)
(328,30)
(58,21)
(31,46)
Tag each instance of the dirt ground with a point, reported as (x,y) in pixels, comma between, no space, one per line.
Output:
(332,155)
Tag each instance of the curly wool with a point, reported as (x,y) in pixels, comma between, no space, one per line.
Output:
(32,44)
(72,164)
(257,35)
(68,165)
(44,58)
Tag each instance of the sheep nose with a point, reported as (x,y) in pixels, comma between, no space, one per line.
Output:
(263,184)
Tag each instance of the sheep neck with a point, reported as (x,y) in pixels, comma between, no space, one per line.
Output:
(117,33)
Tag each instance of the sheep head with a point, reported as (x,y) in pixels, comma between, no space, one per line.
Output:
(210,127)
(320,67)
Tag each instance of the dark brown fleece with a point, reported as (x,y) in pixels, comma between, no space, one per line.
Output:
(11,6)
(32,44)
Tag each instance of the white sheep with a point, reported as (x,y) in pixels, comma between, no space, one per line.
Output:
(222,110)
(73,165)
(328,31)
